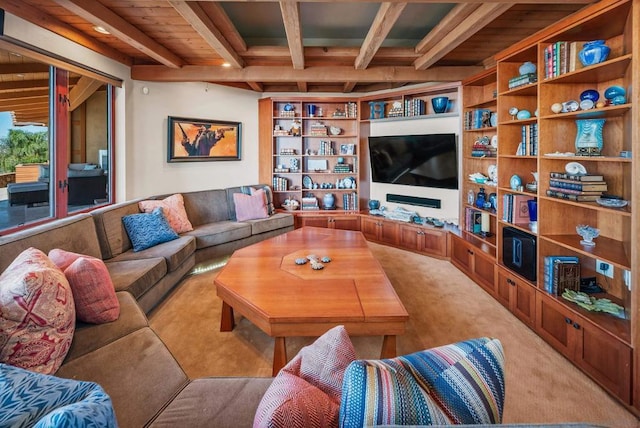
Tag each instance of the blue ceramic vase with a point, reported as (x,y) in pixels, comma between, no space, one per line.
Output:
(440,104)
(374,204)
(594,52)
(527,68)
(589,136)
(329,201)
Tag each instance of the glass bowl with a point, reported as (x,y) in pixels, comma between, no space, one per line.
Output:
(588,233)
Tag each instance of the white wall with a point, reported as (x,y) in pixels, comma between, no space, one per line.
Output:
(147,139)
(433,125)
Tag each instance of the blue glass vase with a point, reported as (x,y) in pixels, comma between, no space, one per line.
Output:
(440,104)
(594,52)
(589,137)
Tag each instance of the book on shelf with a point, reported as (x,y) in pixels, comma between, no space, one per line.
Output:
(574,59)
(515,208)
(572,177)
(574,197)
(578,185)
(560,273)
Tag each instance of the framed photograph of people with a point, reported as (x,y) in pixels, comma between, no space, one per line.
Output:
(193,140)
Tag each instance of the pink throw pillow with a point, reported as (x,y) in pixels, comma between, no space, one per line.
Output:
(37,314)
(250,207)
(173,209)
(307,391)
(93,290)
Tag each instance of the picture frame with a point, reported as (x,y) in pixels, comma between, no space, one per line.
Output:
(343,149)
(197,140)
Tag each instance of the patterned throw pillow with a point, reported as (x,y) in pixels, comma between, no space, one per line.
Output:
(250,207)
(37,314)
(174,211)
(462,383)
(306,392)
(147,230)
(32,399)
(93,291)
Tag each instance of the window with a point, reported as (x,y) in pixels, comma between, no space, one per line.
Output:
(55,142)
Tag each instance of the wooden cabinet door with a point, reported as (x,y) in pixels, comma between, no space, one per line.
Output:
(484,270)
(523,303)
(460,254)
(605,358)
(554,324)
(434,242)
(369,227)
(504,287)
(388,232)
(351,222)
(410,237)
(317,221)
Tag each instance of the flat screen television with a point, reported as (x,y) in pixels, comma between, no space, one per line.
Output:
(429,160)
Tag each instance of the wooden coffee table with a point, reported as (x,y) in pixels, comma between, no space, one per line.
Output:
(263,283)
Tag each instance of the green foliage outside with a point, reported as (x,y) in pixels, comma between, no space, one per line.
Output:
(23,147)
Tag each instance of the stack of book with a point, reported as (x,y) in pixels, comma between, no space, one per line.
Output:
(580,188)
(515,208)
(280,184)
(562,57)
(561,273)
(473,220)
(351,109)
(350,201)
(480,150)
(310,203)
(523,79)
(414,107)
(475,119)
(318,130)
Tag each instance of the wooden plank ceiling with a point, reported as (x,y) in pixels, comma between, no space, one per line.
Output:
(288,46)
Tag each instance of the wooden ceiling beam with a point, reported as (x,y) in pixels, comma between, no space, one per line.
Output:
(256,86)
(19,95)
(387,15)
(472,24)
(196,73)
(454,18)
(16,103)
(85,87)
(15,85)
(195,15)
(225,25)
(24,68)
(291,18)
(97,14)
(411,1)
(348,87)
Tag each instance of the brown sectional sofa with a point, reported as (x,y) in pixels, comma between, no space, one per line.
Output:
(126,357)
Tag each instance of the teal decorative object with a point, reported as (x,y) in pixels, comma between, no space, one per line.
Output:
(594,52)
(527,68)
(589,137)
(440,104)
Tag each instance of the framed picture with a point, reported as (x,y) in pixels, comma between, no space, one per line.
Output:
(343,149)
(192,140)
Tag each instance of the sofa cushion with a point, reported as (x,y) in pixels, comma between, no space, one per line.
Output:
(249,207)
(33,399)
(93,291)
(90,337)
(173,208)
(207,206)
(461,383)
(201,404)
(220,232)
(306,392)
(146,230)
(37,314)
(274,222)
(175,252)
(136,276)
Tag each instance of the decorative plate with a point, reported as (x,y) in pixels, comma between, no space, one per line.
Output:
(492,171)
(575,168)
(586,104)
(571,106)
(347,182)
(612,203)
(494,141)
(590,94)
(307,182)
(515,182)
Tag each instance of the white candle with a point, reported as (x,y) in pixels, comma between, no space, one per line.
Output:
(485,225)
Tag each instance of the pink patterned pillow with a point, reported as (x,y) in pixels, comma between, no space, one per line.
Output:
(307,391)
(93,290)
(37,314)
(250,207)
(173,209)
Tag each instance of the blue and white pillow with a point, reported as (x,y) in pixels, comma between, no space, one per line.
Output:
(34,399)
(146,230)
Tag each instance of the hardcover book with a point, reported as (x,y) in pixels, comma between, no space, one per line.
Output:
(561,194)
(548,269)
(588,177)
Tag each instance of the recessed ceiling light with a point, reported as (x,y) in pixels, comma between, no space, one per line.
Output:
(226,64)
(19,75)
(101,30)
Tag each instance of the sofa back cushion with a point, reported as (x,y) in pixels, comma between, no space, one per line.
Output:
(111,232)
(76,234)
(207,206)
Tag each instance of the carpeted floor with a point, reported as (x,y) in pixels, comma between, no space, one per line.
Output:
(444,306)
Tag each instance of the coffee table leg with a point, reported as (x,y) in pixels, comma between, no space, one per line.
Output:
(226,320)
(388,347)
(279,355)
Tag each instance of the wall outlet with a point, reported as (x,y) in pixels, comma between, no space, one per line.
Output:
(604,268)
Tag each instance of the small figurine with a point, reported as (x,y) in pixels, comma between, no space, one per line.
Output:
(296,128)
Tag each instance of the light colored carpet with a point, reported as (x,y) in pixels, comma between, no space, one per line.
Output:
(444,306)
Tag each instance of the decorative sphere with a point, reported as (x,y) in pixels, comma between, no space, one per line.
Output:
(556,107)
(374,204)
(613,91)
(523,114)
(527,68)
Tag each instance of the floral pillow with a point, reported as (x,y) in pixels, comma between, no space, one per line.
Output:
(174,211)
(147,230)
(37,313)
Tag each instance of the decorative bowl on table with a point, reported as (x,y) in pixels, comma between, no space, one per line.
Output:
(588,234)
(290,204)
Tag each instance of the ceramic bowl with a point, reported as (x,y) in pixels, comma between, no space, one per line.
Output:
(523,114)
(590,94)
(613,91)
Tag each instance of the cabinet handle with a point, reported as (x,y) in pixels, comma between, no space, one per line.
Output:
(511,282)
(568,320)
(576,326)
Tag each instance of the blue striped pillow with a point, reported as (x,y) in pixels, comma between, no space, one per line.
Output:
(461,383)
